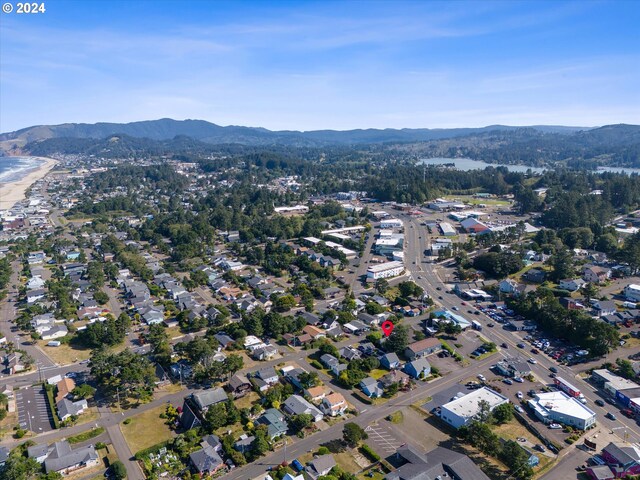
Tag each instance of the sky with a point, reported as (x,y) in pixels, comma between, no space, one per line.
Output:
(308,65)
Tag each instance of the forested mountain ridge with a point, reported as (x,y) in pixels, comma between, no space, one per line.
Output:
(166,129)
(537,146)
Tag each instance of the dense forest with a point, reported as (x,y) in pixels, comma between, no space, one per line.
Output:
(536,146)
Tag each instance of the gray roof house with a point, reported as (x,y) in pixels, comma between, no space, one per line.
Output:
(297,405)
(321,465)
(64,460)
(438,463)
(206,461)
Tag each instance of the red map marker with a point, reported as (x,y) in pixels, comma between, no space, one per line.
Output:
(387,327)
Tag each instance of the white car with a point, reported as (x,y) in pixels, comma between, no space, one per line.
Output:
(532,361)
(519,409)
(518,379)
(555,426)
(481,377)
(519,395)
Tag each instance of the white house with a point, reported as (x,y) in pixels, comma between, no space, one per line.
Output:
(572,284)
(595,274)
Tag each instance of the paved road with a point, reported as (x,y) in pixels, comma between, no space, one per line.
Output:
(9,312)
(366,417)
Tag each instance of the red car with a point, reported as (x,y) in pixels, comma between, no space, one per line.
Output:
(628,413)
(534,350)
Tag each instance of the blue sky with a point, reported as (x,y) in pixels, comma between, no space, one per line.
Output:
(314,65)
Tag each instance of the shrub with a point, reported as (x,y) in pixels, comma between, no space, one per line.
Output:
(368,452)
(127,421)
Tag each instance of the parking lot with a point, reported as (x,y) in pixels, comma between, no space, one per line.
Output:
(382,440)
(33,411)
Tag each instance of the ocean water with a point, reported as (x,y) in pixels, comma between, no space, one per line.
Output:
(13,169)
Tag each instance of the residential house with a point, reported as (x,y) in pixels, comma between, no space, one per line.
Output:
(604,307)
(35,295)
(264,352)
(571,303)
(418,368)
(440,463)
(274,420)
(207,460)
(371,388)
(320,466)
(396,376)
(595,274)
(196,405)
(64,387)
(572,284)
(535,275)
(223,339)
(57,331)
(390,361)
(334,405)
(265,378)
(68,408)
(333,364)
(314,332)
(244,444)
(62,459)
(511,287)
(350,353)
(297,405)
(422,348)
(317,394)
(239,385)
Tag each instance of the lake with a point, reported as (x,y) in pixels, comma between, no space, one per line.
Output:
(466,164)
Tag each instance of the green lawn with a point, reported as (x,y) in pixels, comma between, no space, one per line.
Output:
(146,429)
(377,373)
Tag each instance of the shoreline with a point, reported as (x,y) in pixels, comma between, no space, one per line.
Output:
(13,192)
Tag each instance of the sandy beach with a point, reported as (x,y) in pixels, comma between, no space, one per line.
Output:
(13,192)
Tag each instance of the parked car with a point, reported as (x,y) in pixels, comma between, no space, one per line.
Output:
(508,381)
(555,426)
(481,377)
(519,409)
(518,379)
(519,395)
(540,448)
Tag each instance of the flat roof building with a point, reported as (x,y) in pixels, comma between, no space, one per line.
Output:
(558,407)
(385,270)
(462,410)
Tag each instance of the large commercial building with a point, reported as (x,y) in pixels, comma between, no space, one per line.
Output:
(385,270)
(558,407)
(462,410)
(447,229)
(391,223)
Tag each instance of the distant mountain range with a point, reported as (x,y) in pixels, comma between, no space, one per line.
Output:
(166,129)
(582,147)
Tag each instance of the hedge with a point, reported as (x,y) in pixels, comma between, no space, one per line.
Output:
(52,407)
(316,364)
(368,451)
(81,437)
